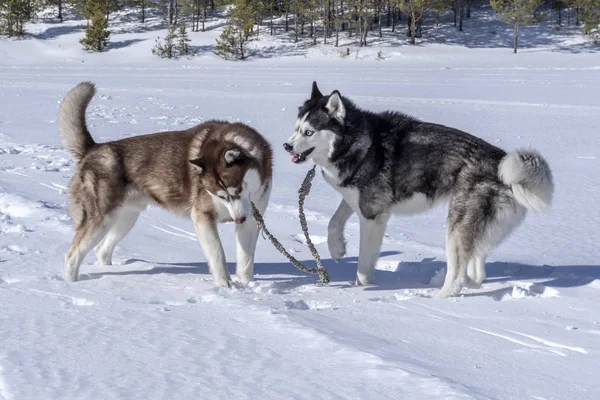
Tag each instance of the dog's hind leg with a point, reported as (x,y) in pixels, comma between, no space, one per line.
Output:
(335,231)
(456,268)
(461,231)
(478,222)
(88,234)
(476,271)
(371,236)
(506,218)
(125,219)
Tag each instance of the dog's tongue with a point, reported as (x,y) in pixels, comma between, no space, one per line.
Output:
(295,158)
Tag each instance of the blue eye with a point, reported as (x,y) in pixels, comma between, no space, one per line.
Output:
(309,133)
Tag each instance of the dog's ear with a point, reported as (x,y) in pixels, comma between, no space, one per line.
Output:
(198,165)
(335,106)
(233,155)
(315,93)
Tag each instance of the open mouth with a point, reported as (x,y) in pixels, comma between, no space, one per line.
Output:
(298,158)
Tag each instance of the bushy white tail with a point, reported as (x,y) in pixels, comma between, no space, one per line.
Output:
(530,178)
(74,134)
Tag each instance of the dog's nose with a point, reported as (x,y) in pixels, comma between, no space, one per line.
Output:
(240,220)
(287,147)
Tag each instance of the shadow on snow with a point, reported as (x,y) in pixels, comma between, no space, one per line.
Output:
(406,275)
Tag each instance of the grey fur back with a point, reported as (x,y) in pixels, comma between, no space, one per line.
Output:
(74,134)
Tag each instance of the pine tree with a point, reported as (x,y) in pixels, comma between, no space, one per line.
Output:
(144,4)
(96,34)
(166,50)
(14,14)
(230,44)
(589,14)
(414,9)
(516,13)
(233,41)
(197,9)
(440,6)
(59,5)
(182,47)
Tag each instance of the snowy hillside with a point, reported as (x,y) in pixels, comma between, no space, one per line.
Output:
(153,326)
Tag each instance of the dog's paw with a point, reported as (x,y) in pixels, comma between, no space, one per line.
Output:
(104,257)
(471,284)
(70,277)
(450,290)
(245,278)
(224,282)
(362,279)
(337,246)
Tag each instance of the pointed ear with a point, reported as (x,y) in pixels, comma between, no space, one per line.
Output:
(335,106)
(315,93)
(198,165)
(232,155)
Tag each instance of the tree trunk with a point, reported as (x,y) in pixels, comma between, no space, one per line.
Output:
(389,13)
(461,9)
(60,16)
(413,28)
(454,10)
(295,27)
(143,11)
(313,28)
(360,34)
(272,19)
(287,24)
(379,17)
(468,8)
(203,18)
(559,16)
(394,19)
(176,11)
(325,22)
(516,38)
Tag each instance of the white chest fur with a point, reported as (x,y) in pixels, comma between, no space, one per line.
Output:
(351,195)
(221,211)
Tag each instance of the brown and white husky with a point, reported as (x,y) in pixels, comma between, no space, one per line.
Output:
(211,172)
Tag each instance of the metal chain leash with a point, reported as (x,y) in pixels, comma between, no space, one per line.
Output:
(304,190)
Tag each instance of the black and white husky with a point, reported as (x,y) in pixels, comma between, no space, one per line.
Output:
(390,163)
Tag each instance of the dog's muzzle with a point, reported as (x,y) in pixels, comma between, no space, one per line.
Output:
(297,158)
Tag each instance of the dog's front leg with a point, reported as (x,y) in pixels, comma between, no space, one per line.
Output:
(335,231)
(371,237)
(208,235)
(246,235)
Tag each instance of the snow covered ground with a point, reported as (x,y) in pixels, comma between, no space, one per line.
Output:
(153,326)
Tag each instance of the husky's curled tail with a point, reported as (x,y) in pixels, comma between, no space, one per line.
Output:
(530,178)
(74,134)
